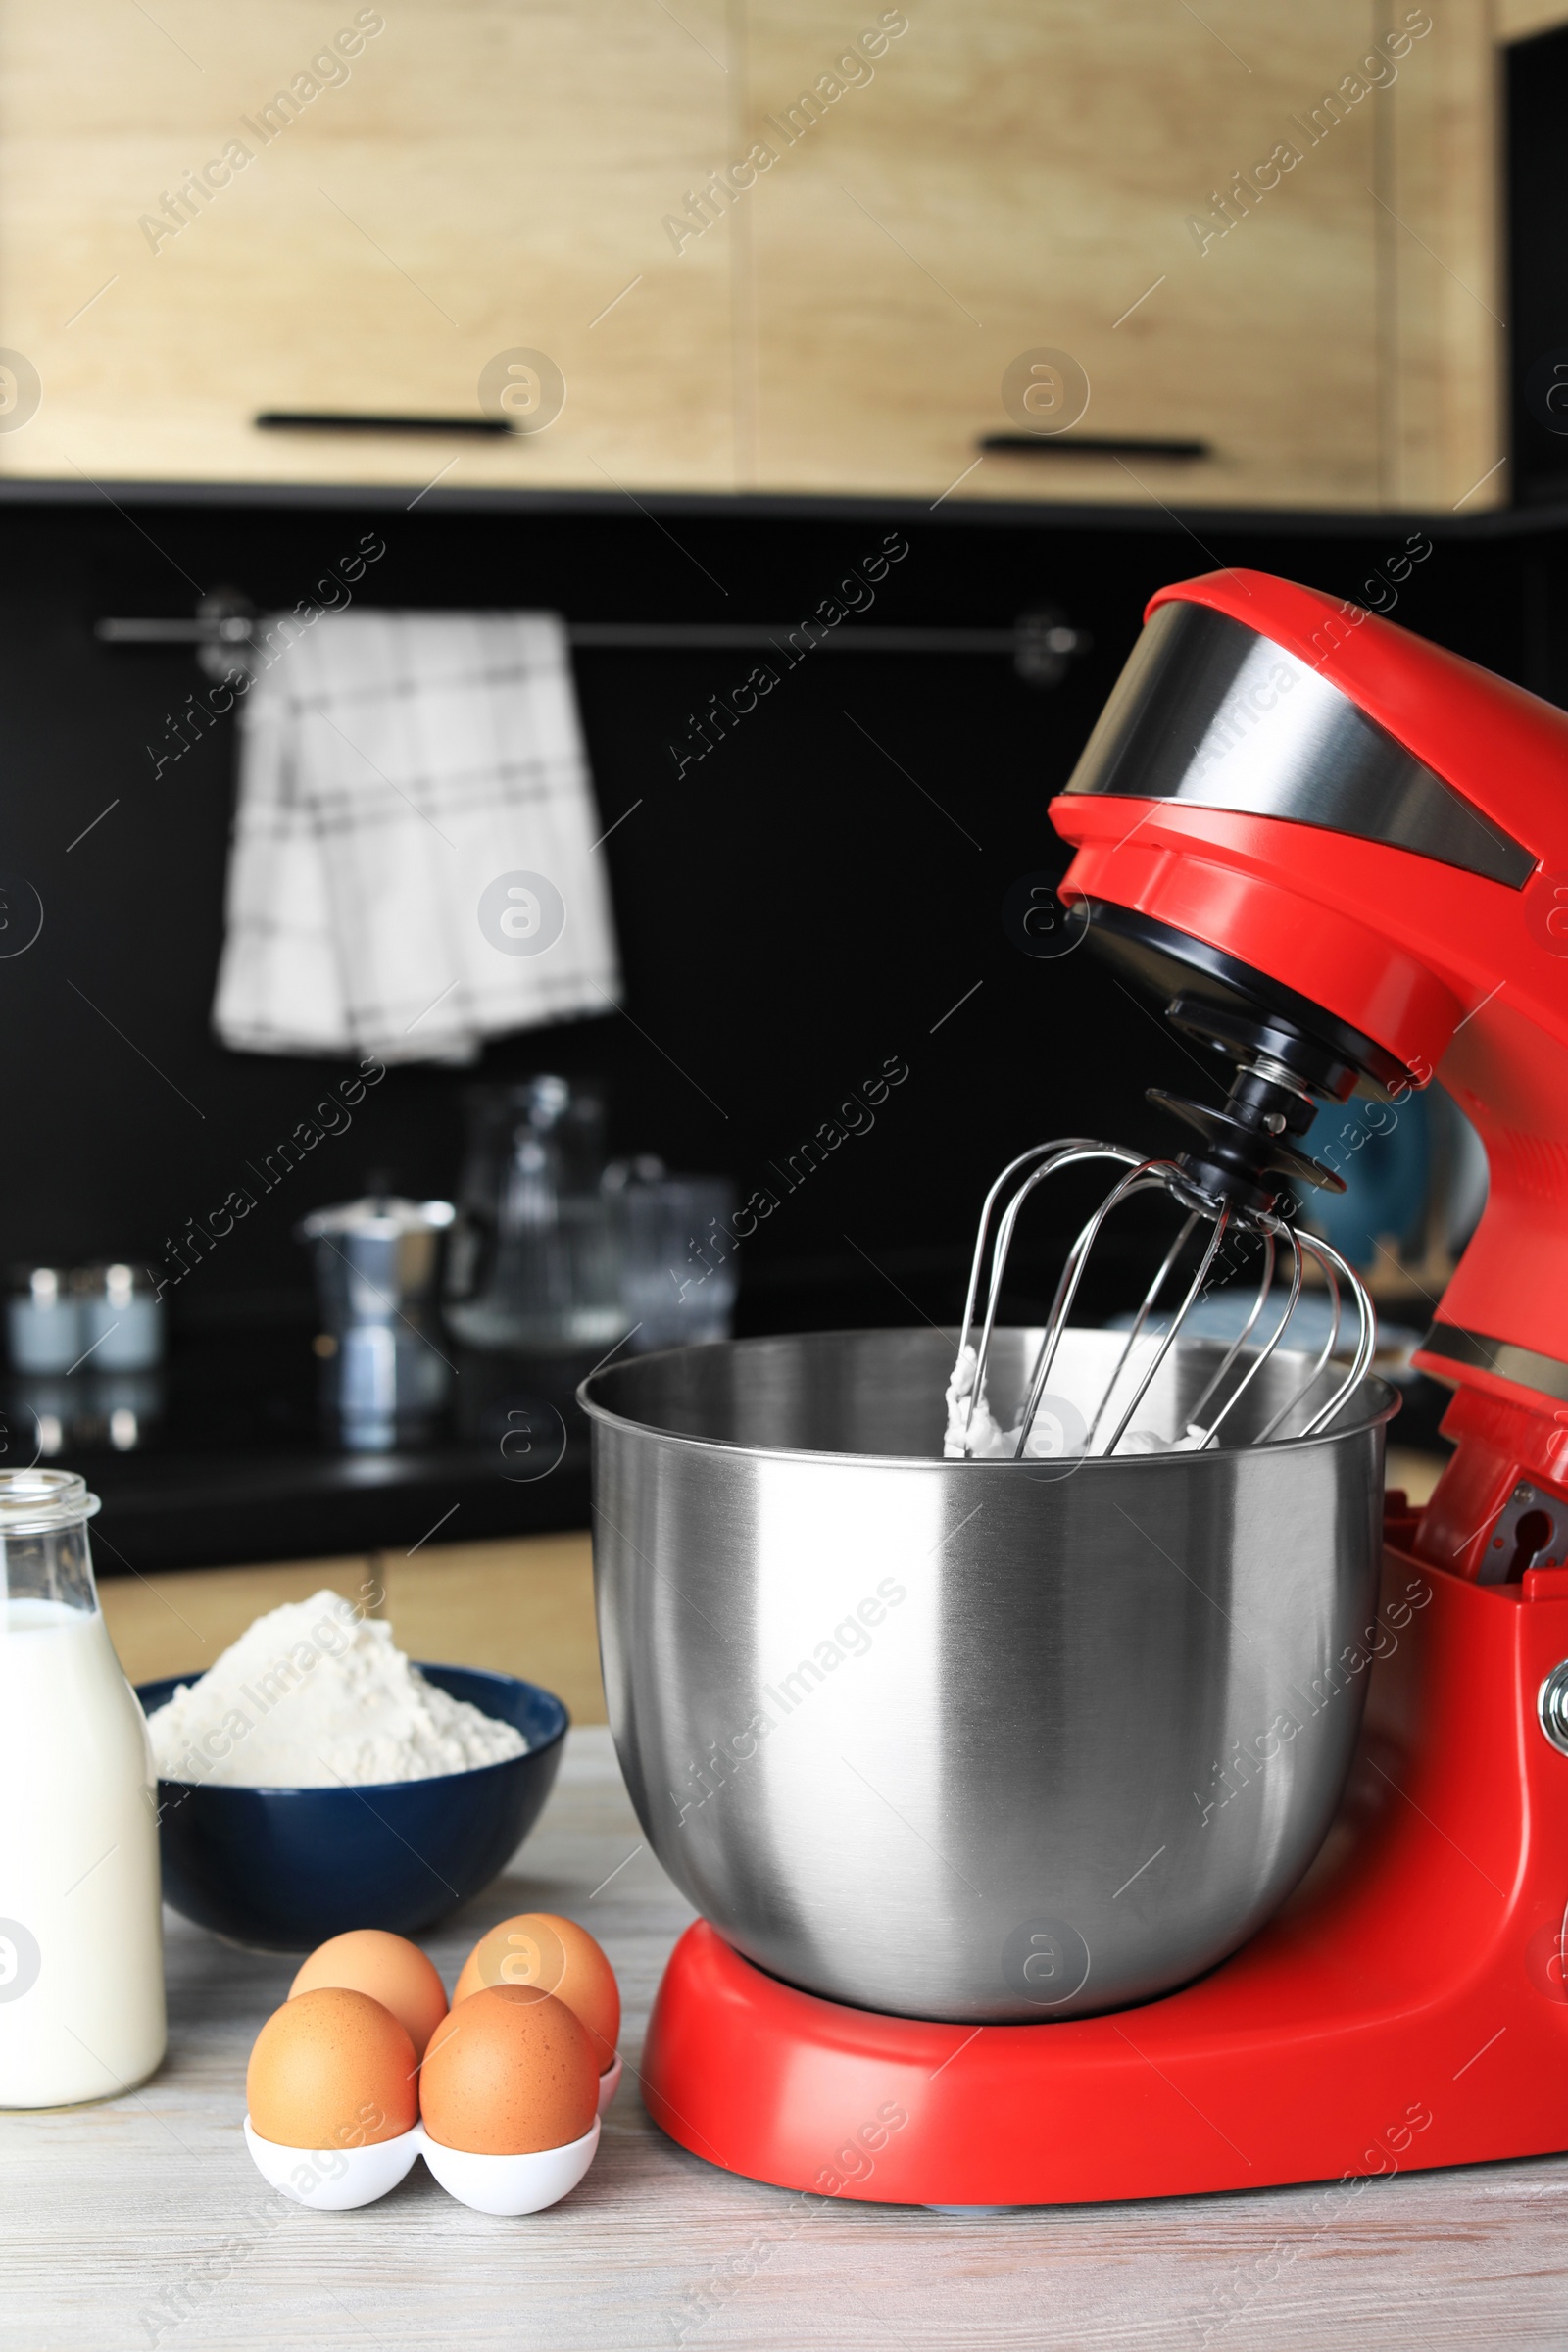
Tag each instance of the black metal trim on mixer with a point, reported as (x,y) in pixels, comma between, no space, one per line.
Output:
(1214,713)
(1546,1374)
(1174,963)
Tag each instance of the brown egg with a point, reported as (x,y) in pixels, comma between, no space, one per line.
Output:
(390,1969)
(331,2069)
(538,1947)
(509,2072)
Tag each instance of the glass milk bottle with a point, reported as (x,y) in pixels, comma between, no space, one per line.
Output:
(81,1971)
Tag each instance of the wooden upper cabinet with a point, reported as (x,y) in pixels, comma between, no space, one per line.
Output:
(384,200)
(1043,175)
(786,245)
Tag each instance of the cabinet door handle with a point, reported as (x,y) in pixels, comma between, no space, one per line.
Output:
(312,420)
(1090,445)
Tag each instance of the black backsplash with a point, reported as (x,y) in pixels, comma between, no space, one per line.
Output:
(809,901)
(1535,86)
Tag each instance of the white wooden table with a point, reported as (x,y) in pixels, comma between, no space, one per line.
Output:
(142,2223)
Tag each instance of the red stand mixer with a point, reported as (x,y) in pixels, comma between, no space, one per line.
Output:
(1345,853)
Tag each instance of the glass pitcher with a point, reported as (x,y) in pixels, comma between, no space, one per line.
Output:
(534,1268)
(81,1967)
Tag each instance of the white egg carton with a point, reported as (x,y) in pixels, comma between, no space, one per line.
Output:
(337,2179)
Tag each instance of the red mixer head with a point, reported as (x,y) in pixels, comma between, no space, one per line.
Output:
(1343,853)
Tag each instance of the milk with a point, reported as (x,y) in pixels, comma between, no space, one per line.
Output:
(81,1979)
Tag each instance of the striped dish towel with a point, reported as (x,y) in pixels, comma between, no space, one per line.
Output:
(414,864)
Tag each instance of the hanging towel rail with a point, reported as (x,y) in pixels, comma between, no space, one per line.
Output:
(225,630)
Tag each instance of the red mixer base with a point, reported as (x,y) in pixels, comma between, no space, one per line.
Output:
(1406,2009)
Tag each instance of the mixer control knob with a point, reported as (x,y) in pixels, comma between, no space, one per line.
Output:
(1551,1706)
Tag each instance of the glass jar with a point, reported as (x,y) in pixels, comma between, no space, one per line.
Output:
(677,1249)
(82,1972)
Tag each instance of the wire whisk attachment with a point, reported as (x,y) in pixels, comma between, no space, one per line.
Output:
(1111,1418)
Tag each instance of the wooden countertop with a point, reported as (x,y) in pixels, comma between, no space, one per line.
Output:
(141,2221)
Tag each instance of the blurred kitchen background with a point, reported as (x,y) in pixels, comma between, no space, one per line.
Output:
(502,313)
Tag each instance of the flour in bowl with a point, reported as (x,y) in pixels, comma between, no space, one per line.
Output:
(316,1695)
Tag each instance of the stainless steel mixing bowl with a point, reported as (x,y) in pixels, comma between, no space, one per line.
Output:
(981,1740)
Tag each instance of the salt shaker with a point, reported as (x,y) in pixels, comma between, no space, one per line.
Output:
(122,1319)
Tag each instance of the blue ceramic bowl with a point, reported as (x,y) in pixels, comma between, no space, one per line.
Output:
(284,1868)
